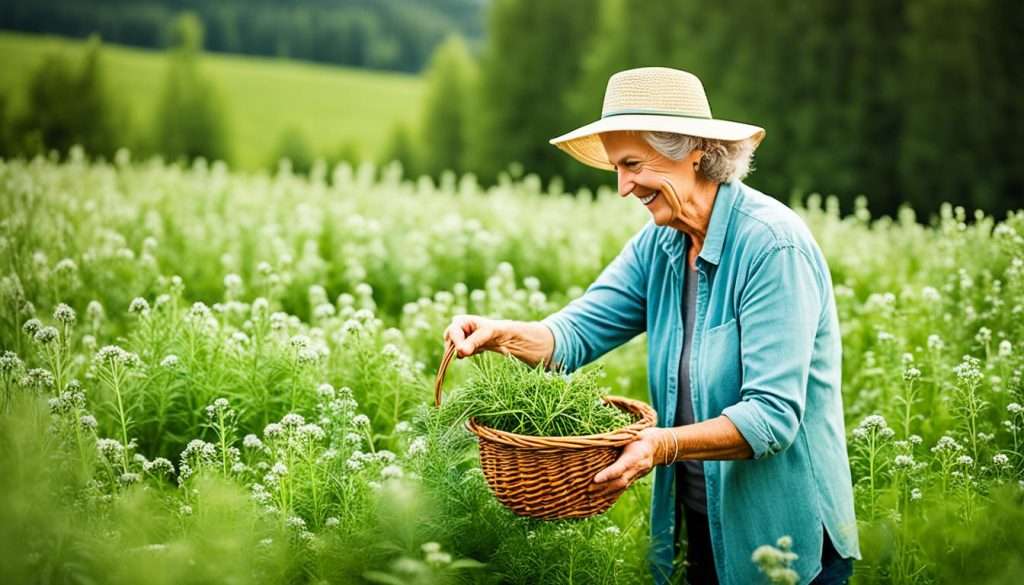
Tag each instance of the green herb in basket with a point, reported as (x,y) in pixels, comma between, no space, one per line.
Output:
(506,394)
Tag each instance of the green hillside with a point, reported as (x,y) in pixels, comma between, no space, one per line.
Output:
(263,97)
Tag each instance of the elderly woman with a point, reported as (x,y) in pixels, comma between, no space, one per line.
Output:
(744,361)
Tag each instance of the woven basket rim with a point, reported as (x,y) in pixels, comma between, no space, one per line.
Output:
(616,438)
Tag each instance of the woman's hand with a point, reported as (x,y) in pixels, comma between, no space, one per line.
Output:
(714,439)
(533,343)
(637,460)
(472,334)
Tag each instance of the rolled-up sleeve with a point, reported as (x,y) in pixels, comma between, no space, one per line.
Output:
(779,314)
(611,312)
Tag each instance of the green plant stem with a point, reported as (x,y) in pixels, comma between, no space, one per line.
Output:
(222,435)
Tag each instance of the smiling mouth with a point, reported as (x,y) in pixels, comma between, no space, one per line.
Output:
(647,200)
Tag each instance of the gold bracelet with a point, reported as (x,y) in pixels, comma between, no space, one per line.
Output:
(675,441)
(675,455)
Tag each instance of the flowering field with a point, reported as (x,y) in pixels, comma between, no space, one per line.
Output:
(209,376)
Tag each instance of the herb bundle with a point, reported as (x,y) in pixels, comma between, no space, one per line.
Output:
(506,394)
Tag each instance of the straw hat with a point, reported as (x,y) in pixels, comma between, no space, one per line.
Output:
(656,99)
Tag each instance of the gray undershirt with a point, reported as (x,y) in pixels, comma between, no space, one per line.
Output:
(690,490)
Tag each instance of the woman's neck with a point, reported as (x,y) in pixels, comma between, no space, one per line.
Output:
(695,216)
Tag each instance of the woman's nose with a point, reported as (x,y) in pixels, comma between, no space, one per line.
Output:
(626,185)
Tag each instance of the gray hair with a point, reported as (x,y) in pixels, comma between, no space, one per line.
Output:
(723,161)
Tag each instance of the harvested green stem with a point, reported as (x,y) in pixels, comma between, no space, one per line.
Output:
(506,394)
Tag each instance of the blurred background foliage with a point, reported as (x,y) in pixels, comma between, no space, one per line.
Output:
(914,101)
(380,34)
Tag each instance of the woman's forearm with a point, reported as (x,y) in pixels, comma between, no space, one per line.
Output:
(530,341)
(717,438)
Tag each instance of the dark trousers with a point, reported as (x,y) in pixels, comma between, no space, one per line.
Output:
(700,563)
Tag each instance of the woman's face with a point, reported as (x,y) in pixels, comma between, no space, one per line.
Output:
(661,184)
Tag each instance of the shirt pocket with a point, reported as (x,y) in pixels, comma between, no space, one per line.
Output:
(721,367)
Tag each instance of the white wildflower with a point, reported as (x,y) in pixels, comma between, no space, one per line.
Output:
(232,282)
(252,442)
(95,311)
(323,311)
(946,444)
(984,335)
(46,335)
(293,420)
(417,446)
(911,374)
(31,326)
(1005,348)
(969,371)
(391,472)
(325,391)
(129,477)
(158,466)
(110,449)
(64,314)
(139,306)
(311,432)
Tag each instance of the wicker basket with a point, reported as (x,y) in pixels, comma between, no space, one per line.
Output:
(550,477)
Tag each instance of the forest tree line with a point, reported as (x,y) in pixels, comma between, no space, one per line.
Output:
(378,34)
(915,102)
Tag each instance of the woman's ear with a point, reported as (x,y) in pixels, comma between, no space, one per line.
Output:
(694,158)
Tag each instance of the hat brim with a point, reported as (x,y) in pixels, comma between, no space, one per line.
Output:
(584,143)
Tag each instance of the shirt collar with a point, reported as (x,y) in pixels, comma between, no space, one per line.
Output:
(721,216)
(675,243)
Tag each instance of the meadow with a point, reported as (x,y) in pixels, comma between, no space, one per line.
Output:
(217,376)
(262,97)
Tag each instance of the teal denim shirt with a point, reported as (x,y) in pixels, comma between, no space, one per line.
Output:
(767,354)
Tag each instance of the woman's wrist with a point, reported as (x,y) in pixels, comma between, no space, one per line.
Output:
(665,444)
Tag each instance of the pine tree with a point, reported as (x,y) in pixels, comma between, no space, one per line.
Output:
(447,110)
(191,120)
(401,146)
(292,146)
(529,65)
(68,107)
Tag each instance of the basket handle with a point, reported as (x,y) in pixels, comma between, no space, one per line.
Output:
(449,356)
